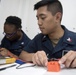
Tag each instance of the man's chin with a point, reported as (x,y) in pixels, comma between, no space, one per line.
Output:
(44,33)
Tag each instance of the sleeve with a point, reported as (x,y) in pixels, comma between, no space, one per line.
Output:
(33,45)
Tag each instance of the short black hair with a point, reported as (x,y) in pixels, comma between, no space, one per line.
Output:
(13,20)
(53,6)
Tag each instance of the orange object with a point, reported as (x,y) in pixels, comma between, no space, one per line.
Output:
(53,66)
(11,55)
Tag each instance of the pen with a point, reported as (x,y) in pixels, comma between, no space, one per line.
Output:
(7,67)
(48,57)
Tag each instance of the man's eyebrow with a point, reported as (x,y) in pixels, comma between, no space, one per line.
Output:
(40,15)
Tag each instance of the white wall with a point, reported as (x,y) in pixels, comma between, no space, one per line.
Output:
(24,10)
(69,14)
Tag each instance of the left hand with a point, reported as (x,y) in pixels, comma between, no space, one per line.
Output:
(4,51)
(69,60)
(40,58)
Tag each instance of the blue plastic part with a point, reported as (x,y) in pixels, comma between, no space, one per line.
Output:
(19,61)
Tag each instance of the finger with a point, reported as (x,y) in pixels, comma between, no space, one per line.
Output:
(36,60)
(1,50)
(40,55)
(73,63)
(42,58)
(64,58)
(46,61)
(70,59)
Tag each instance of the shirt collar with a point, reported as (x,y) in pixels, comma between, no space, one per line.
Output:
(45,37)
(67,37)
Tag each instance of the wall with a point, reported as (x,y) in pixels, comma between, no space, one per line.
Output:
(24,10)
(69,14)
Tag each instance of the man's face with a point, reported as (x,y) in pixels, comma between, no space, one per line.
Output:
(10,32)
(46,21)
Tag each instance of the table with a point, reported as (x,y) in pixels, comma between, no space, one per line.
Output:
(36,70)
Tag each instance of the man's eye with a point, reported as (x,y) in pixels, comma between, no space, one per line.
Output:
(43,18)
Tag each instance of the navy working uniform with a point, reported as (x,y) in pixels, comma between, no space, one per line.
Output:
(42,42)
(15,46)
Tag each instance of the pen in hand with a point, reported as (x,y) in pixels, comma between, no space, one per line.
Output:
(7,67)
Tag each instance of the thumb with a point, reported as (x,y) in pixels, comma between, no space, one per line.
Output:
(45,62)
(62,60)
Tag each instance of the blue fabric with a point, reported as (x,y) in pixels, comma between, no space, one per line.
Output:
(42,42)
(15,46)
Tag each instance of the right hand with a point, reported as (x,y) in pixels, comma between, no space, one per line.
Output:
(3,51)
(40,58)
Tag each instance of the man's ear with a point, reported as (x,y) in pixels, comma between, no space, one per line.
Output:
(58,16)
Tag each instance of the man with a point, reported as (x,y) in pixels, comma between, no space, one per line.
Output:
(15,39)
(55,40)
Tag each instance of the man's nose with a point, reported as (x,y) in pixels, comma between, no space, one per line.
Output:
(39,22)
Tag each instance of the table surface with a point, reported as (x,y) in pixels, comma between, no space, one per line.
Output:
(36,70)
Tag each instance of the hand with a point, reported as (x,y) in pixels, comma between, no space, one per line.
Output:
(40,58)
(3,51)
(69,60)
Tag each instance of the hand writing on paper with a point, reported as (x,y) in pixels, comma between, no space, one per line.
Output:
(69,59)
(3,51)
(40,58)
